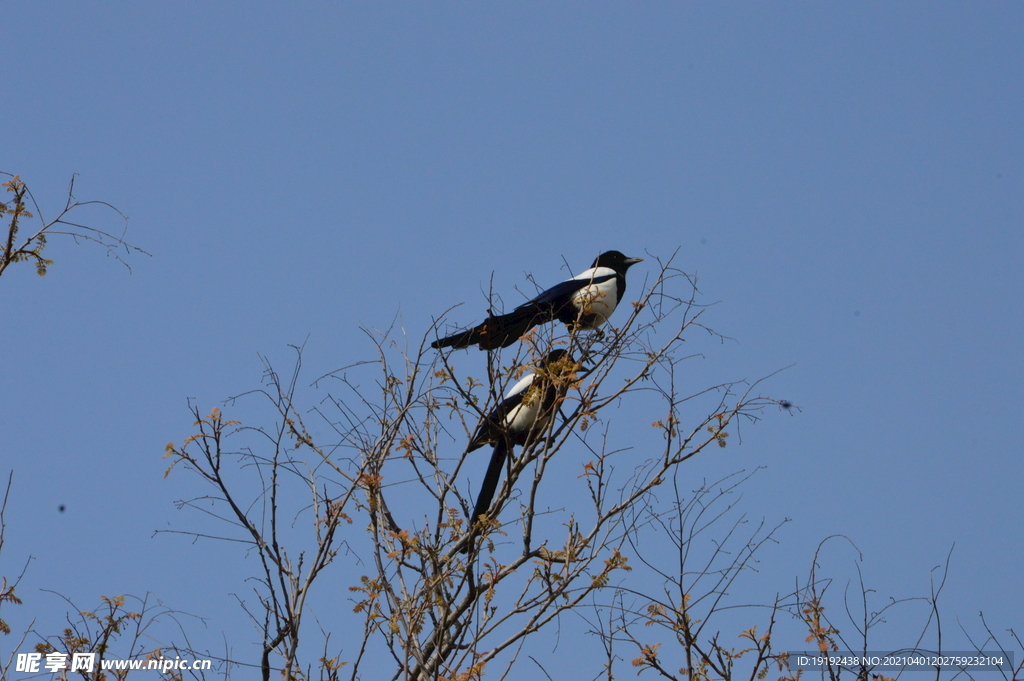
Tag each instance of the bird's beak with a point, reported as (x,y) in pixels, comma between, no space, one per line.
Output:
(633,261)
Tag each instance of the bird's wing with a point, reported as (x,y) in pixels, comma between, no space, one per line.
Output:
(489,430)
(560,294)
(524,383)
(556,295)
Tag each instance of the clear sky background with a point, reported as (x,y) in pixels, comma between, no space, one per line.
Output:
(846,180)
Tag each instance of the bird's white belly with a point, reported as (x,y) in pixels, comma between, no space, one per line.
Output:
(523,417)
(598,300)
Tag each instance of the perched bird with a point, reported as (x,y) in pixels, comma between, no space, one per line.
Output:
(586,301)
(522,417)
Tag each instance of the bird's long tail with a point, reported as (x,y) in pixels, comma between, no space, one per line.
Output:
(498,331)
(491,478)
(488,488)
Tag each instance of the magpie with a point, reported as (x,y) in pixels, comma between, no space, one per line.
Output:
(586,301)
(522,418)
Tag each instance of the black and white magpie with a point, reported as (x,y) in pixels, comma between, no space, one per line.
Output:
(522,417)
(586,301)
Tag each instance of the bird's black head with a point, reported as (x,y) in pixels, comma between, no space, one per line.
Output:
(558,363)
(616,261)
(556,355)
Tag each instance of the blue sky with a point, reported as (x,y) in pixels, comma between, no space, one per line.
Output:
(845,180)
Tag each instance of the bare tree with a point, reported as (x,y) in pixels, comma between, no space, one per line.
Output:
(853,630)
(677,633)
(395,467)
(680,629)
(30,249)
(119,636)
(8,587)
(257,513)
(15,248)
